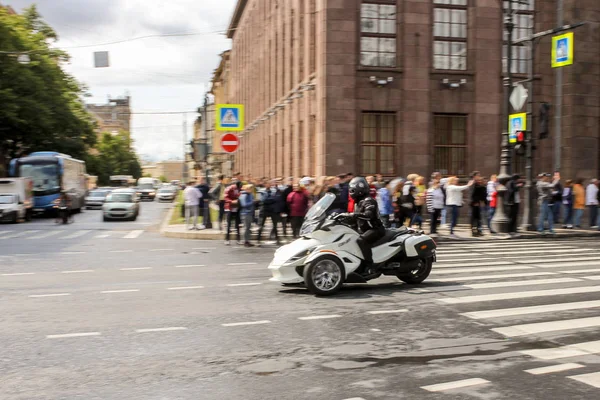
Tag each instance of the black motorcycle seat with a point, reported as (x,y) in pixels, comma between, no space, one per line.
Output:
(391,234)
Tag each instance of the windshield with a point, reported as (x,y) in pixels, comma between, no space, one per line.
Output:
(320,207)
(7,199)
(98,193)
(45,176)
(146,186)
(165,191)
(119,198)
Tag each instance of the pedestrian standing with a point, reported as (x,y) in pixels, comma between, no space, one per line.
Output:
(247,211)
(297,202)
(384,202)
(544,188)
(435,204)
(478,199)
(567,202)
(270,207)
(454,200)
(491,189)
(578,202)
(420,192)
(407,204)
(591,201)
(232,195)
(286,189)
(557,198)
(513,202)
(203,208)
(192,197)
(215,194)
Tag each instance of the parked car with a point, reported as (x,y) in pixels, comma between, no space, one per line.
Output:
(96,197)
(121,204)
(166,194)
(16,201)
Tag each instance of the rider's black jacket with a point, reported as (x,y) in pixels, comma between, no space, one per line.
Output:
(366,215)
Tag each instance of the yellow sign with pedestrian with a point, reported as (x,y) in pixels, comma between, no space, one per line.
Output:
(230,117)
(562,50)
(516,123)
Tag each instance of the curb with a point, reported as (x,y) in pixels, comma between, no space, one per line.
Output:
(203,235)
(165,222)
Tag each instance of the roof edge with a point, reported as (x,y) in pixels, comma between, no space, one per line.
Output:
(235,19)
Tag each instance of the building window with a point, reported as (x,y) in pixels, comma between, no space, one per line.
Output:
(378,143)
(378,34)
(450,144)
(450,34)
(521,54)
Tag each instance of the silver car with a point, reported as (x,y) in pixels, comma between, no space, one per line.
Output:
(121,204)
(166,194)
(95,198)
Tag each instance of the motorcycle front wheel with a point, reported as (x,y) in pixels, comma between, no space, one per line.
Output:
(419,273)
(324,276)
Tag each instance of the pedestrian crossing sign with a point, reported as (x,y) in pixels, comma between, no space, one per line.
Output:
(230,117)
(562,50)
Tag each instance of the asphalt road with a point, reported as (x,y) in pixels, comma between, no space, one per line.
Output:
(114,311)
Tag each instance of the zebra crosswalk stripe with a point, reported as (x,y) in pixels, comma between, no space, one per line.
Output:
(550,326)
(45,235)
(76,234)
(515,311)
(520,295)
(133,234)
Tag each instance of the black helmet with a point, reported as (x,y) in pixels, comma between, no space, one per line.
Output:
(359,188)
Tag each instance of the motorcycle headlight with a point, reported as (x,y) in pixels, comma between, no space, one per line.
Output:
(300,255)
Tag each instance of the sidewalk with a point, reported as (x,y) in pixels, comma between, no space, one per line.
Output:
(462,231)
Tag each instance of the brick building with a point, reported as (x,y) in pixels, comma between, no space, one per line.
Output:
(112,117)
(400,86)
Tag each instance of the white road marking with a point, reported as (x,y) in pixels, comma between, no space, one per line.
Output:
(75,234)
(185,288)
(50,295)
(440,387)
(592,278)
(572,350)
(375,330)
(244,263)
(549,258)
(560,251)
(72,335)
(161,249)
(508,312)
(2,233)
(77,271)
(135,269)
(319,317)
(355,398)
(120,291)
(71,253)
(475,269)
(19,234)
(133,234)
(203,248)
(247,323)
(475,264)
(169,329)
(448,259)
(45,235)
(244,284)
(19,274)
(101,236)
(520,295)
(544,327)
(403,310)
(577,264)
(592,379)
(522,283)
(580,271)
(485,277)
(190,266)
(554,368)
(121,251)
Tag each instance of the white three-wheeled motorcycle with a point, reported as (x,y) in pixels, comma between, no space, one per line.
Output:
(327,255)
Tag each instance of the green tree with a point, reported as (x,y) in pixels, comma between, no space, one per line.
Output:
(114,158)
(163,178)
(41,105)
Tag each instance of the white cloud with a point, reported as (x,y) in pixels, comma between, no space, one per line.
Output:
(160,74)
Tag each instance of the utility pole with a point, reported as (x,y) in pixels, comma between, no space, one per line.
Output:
(184,169)
(205,122)
(500,221)
(558,100)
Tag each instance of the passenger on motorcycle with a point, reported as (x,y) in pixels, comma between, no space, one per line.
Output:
(365,217)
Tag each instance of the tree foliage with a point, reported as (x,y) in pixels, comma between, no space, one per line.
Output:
(41,107)
(114,158)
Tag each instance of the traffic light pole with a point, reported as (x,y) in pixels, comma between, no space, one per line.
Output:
(529,200)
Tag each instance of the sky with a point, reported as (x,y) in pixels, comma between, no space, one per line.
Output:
(160,74)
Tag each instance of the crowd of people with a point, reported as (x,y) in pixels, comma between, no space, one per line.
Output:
(247,203)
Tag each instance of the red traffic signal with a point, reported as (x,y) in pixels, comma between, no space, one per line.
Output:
(520,136)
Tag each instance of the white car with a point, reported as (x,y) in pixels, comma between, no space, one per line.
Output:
(121,204)
(166,194)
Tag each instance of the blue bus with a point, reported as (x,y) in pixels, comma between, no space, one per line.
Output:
(51,172)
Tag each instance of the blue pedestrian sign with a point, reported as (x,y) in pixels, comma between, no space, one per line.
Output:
(562,50)
(230,117)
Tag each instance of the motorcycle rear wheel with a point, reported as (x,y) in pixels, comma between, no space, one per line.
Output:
(324,276)
(418,274)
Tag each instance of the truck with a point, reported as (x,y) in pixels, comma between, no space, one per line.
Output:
(146,188)
(16,199)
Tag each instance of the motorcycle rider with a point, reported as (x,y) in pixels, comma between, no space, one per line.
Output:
(365,217)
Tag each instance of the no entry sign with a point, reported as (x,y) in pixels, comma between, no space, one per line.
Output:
(230,142)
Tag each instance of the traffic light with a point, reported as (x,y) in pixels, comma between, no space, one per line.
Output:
(520,145)
(544,120)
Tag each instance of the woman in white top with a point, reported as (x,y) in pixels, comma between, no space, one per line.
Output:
(435,203)
(454,199)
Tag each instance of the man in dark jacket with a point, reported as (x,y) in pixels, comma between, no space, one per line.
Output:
(286,189)
(343,191)
(478,200)
(271,206)
(557,197)
(513,201)
(204,205)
